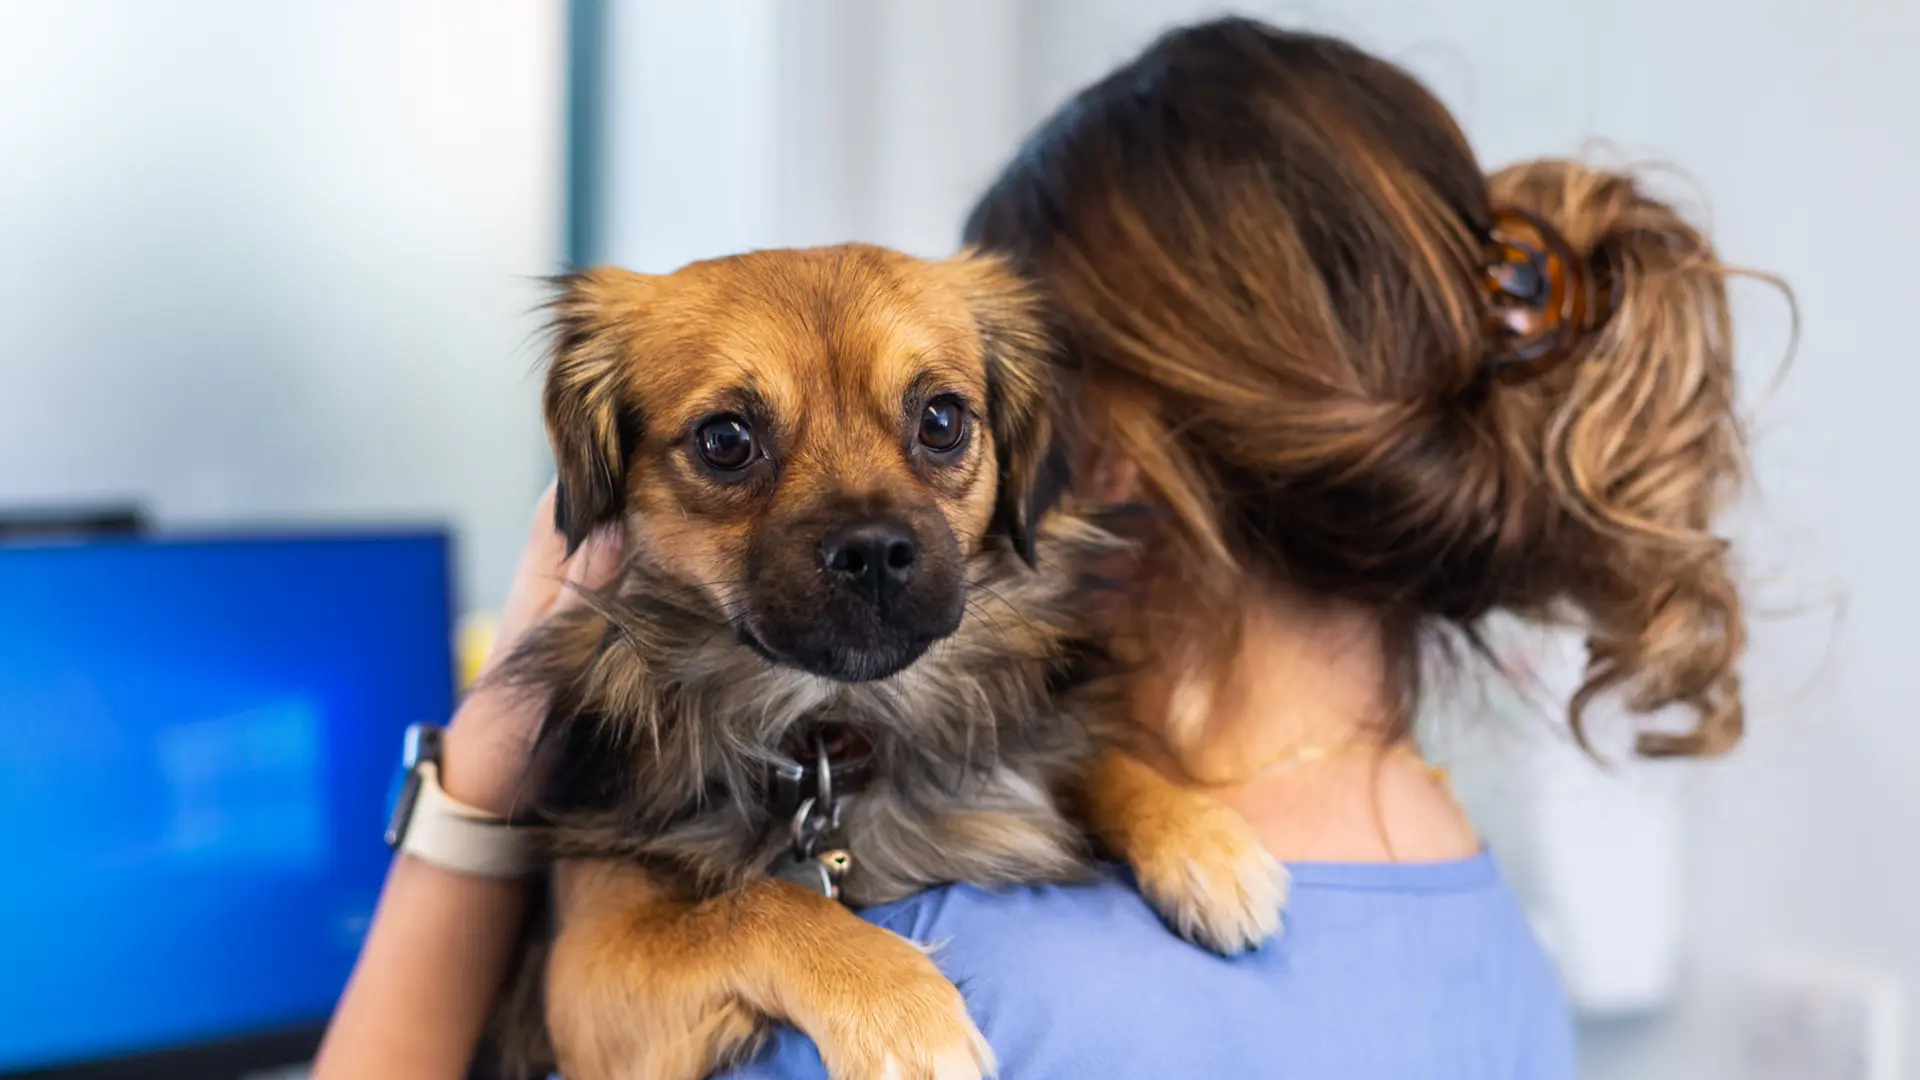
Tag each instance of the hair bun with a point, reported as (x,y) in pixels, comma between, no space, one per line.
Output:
(1542,298)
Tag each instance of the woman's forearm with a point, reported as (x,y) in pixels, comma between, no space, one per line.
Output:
(442,941)
(436,955)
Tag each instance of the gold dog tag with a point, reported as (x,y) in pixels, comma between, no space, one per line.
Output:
(821,874)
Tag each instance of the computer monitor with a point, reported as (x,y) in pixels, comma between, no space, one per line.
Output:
(197,741)
(41,523)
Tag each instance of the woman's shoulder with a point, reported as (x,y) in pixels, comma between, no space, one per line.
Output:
(976,923)
(1084,980)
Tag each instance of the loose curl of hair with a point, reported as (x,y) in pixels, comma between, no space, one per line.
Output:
(1262,253)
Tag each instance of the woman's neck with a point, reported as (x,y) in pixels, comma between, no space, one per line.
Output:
(1304,674)
(1275,733)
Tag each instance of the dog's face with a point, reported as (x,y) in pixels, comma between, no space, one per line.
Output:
(816,440)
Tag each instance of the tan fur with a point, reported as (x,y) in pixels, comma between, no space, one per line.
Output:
(1201,864)
(831,338)
(646,985)
(671,947)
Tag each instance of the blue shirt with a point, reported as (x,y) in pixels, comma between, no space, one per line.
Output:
(1385,972)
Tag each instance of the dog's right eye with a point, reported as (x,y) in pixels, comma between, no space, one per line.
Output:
(726,443)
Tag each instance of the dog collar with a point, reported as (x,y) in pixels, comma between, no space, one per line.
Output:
(798,772)
(808,787)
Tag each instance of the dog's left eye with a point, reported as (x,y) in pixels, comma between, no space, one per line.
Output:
(943,423)
(726,443)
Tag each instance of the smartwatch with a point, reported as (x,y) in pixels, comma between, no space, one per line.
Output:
(433,826)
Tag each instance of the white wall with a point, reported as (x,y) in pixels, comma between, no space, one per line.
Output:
(274,262)
(688,128)
(735,124)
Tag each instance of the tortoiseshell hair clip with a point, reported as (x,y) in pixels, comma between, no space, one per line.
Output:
(1542,299)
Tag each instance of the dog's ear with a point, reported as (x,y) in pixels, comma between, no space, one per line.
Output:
(1021,396)
(593,426)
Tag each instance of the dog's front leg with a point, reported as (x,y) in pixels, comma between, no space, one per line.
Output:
(628,998)
(1197,861)
(644,986)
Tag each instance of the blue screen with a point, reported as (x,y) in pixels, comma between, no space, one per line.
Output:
(197,739)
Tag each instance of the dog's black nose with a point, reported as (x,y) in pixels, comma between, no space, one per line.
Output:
(874,558)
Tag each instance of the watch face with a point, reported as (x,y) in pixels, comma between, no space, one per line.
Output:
(422,744)
(402,812)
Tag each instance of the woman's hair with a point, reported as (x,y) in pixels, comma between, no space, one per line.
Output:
(1266,255)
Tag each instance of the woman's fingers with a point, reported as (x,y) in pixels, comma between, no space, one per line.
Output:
(592,567)
(536,581)
(548,579)
(488,743)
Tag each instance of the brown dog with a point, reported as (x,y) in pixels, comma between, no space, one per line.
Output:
(843,648)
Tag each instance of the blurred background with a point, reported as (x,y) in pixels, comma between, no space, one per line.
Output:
(268,274)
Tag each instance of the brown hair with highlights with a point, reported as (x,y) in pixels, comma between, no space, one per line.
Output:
(1265,254)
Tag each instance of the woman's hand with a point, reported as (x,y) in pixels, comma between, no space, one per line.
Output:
(488,743)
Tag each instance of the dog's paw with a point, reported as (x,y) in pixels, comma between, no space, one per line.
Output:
(909,1023)
(1207,873)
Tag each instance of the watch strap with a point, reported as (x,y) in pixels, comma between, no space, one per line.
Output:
(450,834)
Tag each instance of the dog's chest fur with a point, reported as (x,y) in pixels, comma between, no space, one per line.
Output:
(663,728)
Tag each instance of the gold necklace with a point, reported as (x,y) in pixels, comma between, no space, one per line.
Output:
(1312,755)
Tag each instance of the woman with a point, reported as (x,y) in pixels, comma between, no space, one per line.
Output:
(1379,396)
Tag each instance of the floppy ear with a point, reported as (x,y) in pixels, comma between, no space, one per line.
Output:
(594,429)
(1021,387)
